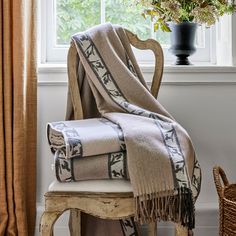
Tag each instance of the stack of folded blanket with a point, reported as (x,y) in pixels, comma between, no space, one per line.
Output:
(88,149)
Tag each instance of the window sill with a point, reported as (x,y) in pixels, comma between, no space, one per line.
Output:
(149,68)
(56,74)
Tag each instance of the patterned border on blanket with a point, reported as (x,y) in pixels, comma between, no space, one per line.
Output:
(72,143)
(196,179)
(129,227)
(117,167)
(63,167)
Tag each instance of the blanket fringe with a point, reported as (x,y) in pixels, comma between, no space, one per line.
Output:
(178,208)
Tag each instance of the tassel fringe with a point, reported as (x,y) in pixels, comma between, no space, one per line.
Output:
(178,208)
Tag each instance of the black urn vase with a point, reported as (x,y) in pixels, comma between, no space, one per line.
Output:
(182,39)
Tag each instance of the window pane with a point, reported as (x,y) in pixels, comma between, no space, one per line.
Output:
(201,35)
(163,38)
(73,16)
(125,13)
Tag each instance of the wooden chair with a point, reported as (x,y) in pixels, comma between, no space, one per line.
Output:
(106,199)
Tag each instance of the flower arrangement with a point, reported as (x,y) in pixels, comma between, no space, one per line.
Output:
(177,11)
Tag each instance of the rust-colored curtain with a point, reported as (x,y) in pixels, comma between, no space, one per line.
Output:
(18,87)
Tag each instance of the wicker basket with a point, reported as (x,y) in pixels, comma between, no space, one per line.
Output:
(227,203)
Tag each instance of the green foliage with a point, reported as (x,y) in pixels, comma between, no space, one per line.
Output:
(78,15)
(124,13)
(75,16)
(199,11)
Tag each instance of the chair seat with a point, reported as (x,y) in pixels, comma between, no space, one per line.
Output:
(102,186)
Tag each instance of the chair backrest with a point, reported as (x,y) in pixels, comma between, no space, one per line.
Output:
(72,63)
(153,45)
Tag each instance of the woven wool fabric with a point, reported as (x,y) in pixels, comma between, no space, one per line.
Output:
(85,137)
(105,166)
(160,156)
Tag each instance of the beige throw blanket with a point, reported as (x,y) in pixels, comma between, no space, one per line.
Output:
(163,169)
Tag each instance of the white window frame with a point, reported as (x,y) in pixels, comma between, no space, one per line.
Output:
(225,40)
(54,54)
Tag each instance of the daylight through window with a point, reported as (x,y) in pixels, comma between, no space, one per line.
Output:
(63,18)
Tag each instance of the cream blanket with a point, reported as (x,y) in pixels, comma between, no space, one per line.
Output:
(82,138)
(163,169)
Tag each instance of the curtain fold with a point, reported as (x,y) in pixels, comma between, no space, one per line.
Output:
(18,113)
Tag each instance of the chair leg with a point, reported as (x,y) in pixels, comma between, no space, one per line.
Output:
(47,221)
(152,229)
(75,222)
(181,231)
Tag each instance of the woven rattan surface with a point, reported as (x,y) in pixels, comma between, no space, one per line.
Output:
(227,202)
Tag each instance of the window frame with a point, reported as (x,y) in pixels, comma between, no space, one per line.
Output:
(51,53)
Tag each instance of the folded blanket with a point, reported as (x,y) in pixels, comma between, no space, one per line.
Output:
(85,137)
(106,166)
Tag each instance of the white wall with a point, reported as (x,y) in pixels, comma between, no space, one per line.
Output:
(201,99)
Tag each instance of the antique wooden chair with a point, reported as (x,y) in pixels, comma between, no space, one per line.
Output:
(107,199)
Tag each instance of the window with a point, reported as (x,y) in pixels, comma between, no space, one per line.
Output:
(63,18)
